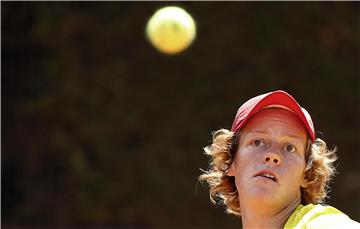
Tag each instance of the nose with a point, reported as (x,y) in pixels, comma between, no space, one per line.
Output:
(272,158)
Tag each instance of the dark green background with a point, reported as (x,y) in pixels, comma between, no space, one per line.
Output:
(99,129)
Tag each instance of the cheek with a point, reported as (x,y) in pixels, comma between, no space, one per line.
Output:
(243,165)
(240,162)
(297,166)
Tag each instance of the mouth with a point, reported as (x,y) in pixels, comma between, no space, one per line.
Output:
(267,174)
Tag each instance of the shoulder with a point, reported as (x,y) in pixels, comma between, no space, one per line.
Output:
(333,221)
(319,216)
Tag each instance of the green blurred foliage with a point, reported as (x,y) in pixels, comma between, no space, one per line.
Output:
(100,129)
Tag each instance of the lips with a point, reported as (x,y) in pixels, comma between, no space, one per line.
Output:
(267,174)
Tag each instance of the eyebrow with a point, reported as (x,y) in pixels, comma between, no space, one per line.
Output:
(292,136)
(258,131)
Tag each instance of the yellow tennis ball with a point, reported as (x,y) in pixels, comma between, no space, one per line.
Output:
(171,29)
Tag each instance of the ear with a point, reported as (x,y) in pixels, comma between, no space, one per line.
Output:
(231,172)
(304,181)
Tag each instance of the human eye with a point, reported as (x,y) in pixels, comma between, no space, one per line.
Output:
(289,148)
(257,142)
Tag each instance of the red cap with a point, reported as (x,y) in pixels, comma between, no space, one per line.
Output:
(272,99)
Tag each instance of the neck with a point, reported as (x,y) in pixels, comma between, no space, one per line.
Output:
(253,217)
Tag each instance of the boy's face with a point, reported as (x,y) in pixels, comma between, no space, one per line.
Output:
(270,161)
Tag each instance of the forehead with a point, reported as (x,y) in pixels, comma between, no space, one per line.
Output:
(272,119)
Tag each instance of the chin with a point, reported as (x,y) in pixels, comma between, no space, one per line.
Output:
(263,195)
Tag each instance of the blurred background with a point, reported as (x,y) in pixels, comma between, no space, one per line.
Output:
(101,130)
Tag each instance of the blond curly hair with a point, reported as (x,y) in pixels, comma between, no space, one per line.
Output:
(319,171)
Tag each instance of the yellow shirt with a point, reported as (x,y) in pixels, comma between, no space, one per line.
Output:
(319,216)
